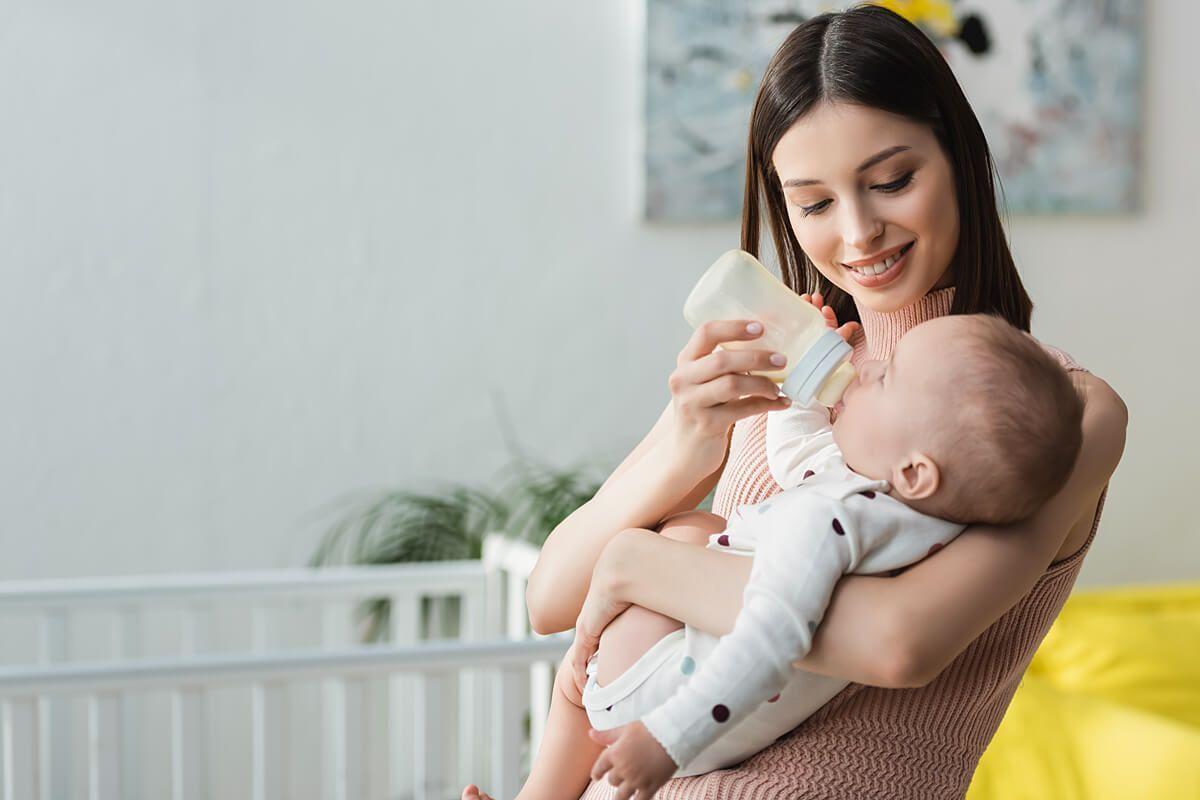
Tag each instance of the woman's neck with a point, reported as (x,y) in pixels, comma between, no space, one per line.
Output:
(881,331)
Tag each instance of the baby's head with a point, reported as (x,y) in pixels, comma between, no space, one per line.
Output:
(970,420)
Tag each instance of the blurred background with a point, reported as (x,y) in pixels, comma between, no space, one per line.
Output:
(263,261)
(261,255)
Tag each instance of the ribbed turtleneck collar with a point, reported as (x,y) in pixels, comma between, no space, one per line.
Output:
(881,332)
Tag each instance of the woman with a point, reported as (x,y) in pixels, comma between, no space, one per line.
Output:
(863,147)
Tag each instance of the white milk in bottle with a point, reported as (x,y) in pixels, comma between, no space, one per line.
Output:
(737,286)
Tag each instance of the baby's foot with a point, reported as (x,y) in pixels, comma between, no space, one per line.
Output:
(472,793)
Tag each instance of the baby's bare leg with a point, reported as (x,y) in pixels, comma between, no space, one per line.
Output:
(564,761)
(636,629)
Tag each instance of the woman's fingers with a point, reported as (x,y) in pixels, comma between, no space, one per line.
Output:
(728,388)
(731,412)
(705,338)
(848,330)
(722,376)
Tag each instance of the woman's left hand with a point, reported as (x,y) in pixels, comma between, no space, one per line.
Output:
(846,331)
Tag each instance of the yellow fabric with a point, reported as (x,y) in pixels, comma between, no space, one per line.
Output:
(1110,706)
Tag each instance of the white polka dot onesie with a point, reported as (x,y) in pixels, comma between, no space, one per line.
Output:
(713,702)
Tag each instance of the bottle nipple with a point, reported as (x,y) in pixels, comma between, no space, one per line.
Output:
(833,388)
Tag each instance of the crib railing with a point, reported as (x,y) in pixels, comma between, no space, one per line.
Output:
(258,685)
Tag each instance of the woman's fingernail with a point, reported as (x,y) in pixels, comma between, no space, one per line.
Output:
(754,327)
(778,359)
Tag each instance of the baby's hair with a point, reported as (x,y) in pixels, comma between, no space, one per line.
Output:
(1017,427)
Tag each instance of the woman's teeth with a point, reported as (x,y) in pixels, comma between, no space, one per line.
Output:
(882,266)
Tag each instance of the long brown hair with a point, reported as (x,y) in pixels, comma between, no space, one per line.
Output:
(873,57)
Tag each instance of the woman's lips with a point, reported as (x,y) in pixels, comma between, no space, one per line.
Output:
(883,278)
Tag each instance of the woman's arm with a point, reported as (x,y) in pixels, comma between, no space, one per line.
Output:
(648,486)
(946,602)
(678,464)
(891,632)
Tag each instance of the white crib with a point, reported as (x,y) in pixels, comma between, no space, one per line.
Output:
(257,684)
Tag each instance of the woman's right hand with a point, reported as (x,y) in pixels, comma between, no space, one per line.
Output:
(711,389)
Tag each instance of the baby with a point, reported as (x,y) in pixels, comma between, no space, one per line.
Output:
(970,421)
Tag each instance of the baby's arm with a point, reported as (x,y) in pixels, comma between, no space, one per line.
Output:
(793,574)
(806,542)
(800,437)
(692,527)
(799,442)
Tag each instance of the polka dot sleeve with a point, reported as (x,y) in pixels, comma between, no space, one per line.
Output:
(802,551)
(806,541)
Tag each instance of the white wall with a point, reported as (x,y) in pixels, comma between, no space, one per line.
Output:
(258,255)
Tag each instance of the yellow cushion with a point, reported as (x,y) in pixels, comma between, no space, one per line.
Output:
(1058,746)
(1110,706)
(1135,646)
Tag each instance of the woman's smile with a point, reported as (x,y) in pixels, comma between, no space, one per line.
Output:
(882,272)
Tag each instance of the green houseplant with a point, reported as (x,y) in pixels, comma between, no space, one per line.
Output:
(450,522)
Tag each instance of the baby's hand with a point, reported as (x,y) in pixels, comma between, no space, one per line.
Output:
(636,764)
(598,610)
(578,656)
(846,331)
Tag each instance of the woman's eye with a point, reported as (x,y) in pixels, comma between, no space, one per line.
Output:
(896,185)
(888,188)
(816,208)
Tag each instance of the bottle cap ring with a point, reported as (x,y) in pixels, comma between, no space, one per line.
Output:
(825,355)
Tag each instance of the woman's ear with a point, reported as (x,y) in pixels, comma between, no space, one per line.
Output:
(917,477)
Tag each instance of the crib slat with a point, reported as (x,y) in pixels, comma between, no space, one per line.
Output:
(508,710)
(541,683)
(8,738)
(472,746)
(431,718)
(373,733)
(189,778)
(359,781)
(18,748)
(54,713)
(334,703)
(127,646)
(334,620)
(268,740)
(189,742)
(258,710)
(405,620)
(516,625)
(103,751)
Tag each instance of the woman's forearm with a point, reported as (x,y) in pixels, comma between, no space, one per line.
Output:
(704,588)
(640,496)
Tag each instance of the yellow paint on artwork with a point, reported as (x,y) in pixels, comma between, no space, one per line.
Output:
(936,15)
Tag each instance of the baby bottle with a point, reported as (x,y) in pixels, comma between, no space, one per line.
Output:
(737,286)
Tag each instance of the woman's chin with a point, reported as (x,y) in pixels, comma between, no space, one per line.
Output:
(883,302)
(886,299)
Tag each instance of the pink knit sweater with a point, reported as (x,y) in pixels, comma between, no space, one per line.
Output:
(869,742)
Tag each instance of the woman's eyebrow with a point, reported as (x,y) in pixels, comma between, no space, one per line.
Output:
(882,155)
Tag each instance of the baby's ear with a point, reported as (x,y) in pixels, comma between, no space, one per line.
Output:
(917,477)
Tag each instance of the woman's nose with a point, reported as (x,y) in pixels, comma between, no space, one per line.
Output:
(859,229)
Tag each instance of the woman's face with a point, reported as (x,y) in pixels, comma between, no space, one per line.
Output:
(870,197)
